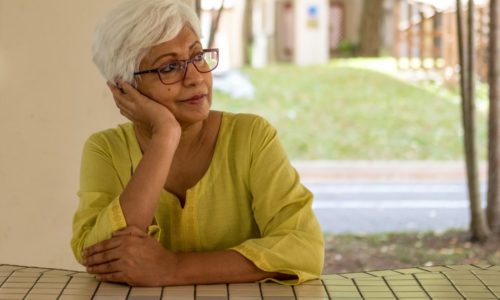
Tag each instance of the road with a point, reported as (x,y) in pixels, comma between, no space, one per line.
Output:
(367,207)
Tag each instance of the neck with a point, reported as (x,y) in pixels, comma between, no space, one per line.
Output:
(192,136)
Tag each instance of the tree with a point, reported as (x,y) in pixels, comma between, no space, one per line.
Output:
(493,209)
(371,26)
(247,37)
(478,226)
(214,25)
(216,14)
(197,7)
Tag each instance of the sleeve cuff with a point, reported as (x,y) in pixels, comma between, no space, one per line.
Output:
(117,218)
(154,231)
(260,262)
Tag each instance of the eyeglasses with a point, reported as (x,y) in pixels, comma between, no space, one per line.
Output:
(173,72)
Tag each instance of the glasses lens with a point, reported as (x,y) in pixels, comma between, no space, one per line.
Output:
(175,71)
(208,63)
(171,72)
(211,60)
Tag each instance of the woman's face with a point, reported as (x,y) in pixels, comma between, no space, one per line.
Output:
(190,99)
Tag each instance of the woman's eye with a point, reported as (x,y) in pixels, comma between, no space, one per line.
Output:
(170,67)
(198,57)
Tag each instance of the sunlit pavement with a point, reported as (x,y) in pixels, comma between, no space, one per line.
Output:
(367,197)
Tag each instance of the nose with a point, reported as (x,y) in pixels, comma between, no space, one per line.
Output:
(191,75)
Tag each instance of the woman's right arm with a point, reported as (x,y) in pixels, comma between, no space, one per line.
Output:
(108,202)
(140,198)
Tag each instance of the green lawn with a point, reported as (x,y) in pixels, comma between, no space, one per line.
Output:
(352,253)
(349,110)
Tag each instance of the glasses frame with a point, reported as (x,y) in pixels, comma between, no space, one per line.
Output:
(185,64)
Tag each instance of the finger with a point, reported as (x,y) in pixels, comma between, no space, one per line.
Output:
(121,99)
(129,90)
(109,267)
(114,88)
(102,246)
(101,257)
(124,107)
(127,115)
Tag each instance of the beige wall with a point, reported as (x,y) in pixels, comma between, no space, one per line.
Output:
(52,98)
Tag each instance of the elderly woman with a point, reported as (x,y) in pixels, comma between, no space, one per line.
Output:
(183,194)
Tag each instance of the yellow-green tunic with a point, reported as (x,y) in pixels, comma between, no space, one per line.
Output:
(250,200)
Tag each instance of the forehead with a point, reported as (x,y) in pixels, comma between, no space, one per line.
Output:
(179,45)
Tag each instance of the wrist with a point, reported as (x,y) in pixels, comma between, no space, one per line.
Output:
(171,276)
(169,136)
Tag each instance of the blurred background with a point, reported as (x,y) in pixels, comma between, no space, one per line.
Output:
(365,95)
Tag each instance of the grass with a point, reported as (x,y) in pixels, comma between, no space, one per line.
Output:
(356,109)
(352,253)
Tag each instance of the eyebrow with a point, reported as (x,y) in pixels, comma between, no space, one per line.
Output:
(173,53)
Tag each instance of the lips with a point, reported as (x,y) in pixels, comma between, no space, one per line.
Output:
(195,99)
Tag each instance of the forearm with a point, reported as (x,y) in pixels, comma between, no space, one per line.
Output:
(140,197)
(226,266)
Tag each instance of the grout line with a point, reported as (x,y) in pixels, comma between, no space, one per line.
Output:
(293,291)
(489,289)
(358,289)
(326,290)
(129,290)
(162,291)
(454,286)
(96,289)
(5,280)
(48,269)
(31,288)
(62,290)
(389,286)
(481,268)
(421,286)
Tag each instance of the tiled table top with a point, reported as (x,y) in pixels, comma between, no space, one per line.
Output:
(442,282)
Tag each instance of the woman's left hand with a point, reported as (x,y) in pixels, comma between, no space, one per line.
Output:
(130,256)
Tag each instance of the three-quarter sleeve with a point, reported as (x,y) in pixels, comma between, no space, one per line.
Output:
(291,240)
(99,213)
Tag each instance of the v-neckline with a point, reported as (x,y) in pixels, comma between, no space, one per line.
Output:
(137,156)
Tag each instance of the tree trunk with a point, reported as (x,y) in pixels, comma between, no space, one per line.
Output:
(247,38)
(197,7)
(215,26)
(371,26)
(478,225)
(493,209)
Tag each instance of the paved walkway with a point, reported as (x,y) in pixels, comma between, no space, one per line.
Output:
(388,196)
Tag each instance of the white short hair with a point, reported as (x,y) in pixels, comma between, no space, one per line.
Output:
(129,31)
